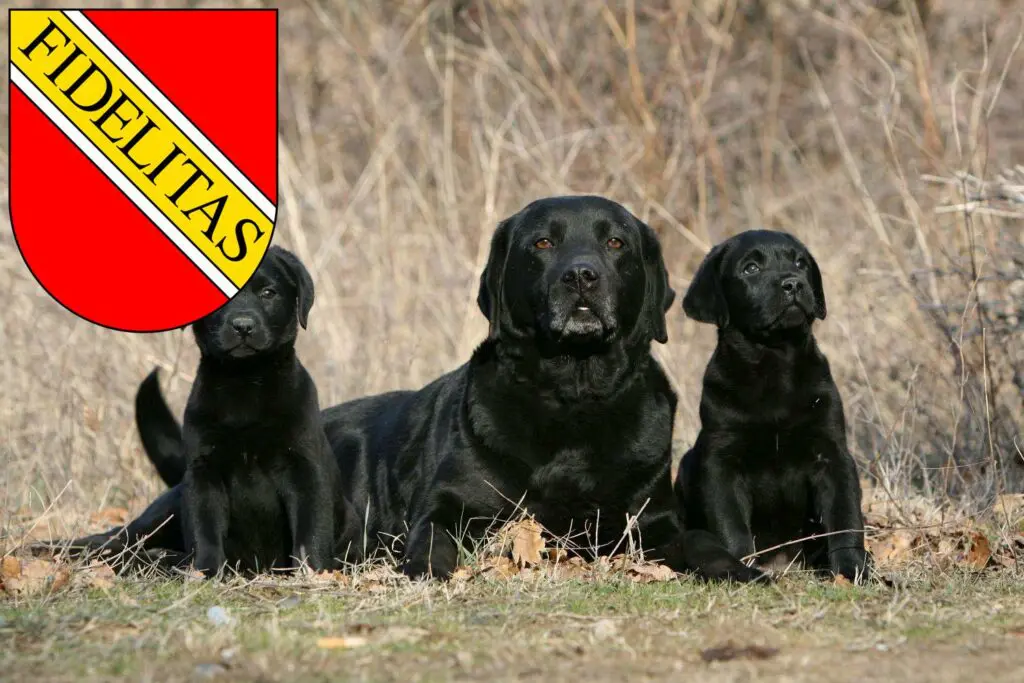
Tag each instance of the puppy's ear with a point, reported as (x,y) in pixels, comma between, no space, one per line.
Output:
(817,288)
(491,280)
(705,300)
(299,278)
(658,295)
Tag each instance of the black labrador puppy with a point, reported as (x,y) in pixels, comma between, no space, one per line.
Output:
(770,464)
(562,408)
(260,486)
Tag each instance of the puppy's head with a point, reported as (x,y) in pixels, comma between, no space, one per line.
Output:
(760,282)
(575,271)
(262,317)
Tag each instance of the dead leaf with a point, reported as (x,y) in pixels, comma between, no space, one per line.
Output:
(10,568)
(527,542)
(34,576)
(341,642)
(499,567)
(330,576)
(99,575)
(730,651)
(841,581)
(650,572)
(462,573)
(894,546)
(573,568)
(980,552)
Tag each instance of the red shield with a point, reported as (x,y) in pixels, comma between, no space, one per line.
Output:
(143,158)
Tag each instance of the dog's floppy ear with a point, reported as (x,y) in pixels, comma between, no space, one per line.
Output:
(705,300)
(658,295)
(489,297)
(299,278)
(817,288)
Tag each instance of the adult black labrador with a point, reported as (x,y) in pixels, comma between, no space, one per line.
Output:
(562,409)
(260,485)
(770,464)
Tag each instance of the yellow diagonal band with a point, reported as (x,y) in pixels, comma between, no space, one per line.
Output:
(181,181)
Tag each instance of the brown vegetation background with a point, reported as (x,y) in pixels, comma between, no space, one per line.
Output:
(887,135)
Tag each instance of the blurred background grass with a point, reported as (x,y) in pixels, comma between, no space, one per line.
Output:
(886,135)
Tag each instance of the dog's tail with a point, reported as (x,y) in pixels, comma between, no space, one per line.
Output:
(160,432)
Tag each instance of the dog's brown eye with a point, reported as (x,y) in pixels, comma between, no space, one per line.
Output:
(267,292)
(615,243)
(800,263)
(543,243)
(751,268)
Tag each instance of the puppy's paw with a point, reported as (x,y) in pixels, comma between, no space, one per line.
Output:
(750,574)
(210,564)
(431,553)
(853,564)
(735,571)
(422,568)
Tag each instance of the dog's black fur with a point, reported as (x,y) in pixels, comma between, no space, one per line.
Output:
(770,464)
(261,488)
(562,407)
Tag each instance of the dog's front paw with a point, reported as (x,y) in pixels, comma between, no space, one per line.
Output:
(853,564)
(431,553)
(423,568)
(751,574)
(210,563)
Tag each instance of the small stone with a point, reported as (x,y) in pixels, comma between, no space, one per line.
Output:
(219,616)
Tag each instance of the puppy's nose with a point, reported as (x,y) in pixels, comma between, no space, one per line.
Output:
(243,324)
(792,285)
(582,275)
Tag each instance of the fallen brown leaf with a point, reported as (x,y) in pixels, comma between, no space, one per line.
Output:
(572,568)
(979,553)
(650,572)
(341,642)
(10,568)
(527,542)
(330,576)
(462,573)
(99,575)
(499,567)
(34,576)
(842,581)
(894,546)
(730,651)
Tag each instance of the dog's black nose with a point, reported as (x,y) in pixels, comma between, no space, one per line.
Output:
(583,275)
(243,324)
(792,285)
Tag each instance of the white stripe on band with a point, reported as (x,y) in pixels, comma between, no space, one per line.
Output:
(173,113)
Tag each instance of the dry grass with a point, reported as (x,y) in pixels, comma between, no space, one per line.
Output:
(372,624)
(878,132)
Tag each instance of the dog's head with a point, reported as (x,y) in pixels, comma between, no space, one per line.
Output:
(575,271)
(760,282)
(262,317)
